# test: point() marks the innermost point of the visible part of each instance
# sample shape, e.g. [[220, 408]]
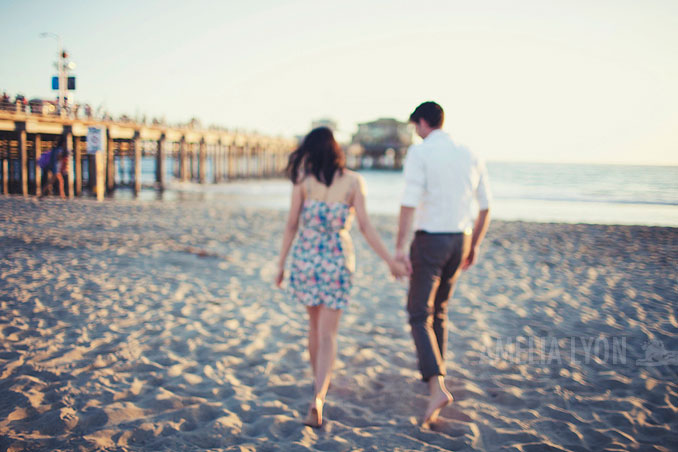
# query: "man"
[[442, 183]]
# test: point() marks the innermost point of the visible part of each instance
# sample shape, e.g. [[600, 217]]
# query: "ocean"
[[541, 192]]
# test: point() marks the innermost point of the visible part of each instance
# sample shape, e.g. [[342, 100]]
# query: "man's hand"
[[479, 230], [398, 269], [404, 226], [471, 258], [404, 258]]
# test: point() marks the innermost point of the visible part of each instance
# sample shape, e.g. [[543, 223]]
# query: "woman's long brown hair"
[[319, 155]]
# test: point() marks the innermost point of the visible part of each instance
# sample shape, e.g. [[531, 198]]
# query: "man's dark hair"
[[430, 112]]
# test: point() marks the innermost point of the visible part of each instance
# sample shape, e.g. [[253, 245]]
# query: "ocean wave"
[[599, 200]]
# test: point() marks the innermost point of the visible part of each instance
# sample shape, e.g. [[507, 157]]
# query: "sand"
[[155, 326]]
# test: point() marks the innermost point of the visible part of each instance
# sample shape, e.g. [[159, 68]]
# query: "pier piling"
[[77, 165], [68, 135], [23, 156], [202, 161], [183, 159], [110, 162], [137, 163], [160, 163], [5, 176]]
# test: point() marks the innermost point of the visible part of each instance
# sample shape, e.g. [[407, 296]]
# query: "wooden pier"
[[230, 155]]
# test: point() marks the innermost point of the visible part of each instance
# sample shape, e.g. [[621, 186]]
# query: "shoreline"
[[156, 326], [194, 197]]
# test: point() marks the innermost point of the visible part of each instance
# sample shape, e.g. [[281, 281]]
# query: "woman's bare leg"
[[313, 314], [328, 326]]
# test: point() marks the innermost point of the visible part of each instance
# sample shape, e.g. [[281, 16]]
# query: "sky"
[[546, 81]]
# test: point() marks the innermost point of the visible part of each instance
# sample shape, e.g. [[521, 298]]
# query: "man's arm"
[[479, 230], [484, 197], [415, 183], [404, 227]]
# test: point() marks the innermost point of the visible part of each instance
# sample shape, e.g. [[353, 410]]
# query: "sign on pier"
[[96, 140], [96, 147]]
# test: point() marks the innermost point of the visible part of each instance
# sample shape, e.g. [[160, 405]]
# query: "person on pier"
[[56, 168]]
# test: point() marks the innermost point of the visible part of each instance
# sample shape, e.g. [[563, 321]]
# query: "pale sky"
[[563, 81]]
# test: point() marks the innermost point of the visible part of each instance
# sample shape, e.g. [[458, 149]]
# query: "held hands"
[[404, 258], [400, 266], [398, 269]]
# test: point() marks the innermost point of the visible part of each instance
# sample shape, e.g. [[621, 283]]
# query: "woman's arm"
[[290, 230], [371, 234]]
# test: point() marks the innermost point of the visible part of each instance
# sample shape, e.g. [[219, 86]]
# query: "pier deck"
[[232, 155]]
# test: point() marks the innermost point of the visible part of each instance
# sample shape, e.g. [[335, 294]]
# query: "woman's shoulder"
[[355, 181], [353, 175]]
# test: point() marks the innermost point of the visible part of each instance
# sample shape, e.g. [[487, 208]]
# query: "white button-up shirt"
[[446, 183]]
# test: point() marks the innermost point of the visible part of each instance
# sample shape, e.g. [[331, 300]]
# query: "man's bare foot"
[[437, 401], [314, 418]]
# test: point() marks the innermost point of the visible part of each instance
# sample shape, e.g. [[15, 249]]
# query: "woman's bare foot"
[[314, 418]]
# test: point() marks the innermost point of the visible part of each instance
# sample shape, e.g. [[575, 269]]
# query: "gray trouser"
[[436, 265]]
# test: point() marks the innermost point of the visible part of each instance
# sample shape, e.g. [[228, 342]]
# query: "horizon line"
[[554, 162]]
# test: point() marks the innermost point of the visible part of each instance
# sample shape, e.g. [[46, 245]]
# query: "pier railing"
[[230, 155]]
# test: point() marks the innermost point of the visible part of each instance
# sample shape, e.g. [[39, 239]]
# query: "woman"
[[325, 196]]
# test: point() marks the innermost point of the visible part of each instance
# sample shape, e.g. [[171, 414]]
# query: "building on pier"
[[383, 142]]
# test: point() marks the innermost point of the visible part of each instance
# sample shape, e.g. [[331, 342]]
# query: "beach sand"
[[156, 326]]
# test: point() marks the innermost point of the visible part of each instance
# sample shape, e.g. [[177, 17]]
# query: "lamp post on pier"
[[60, 68]]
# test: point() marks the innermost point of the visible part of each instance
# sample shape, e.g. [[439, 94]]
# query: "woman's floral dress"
[[322, 258]]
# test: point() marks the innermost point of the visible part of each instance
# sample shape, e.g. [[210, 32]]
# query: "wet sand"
[[156, 326]]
